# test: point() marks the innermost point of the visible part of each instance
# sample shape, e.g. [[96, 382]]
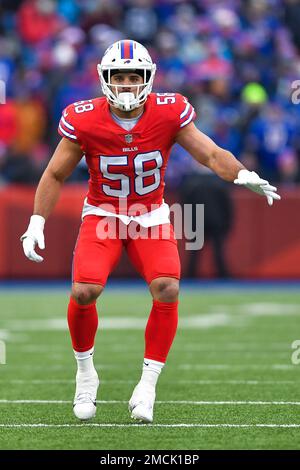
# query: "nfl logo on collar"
[[128, 138]]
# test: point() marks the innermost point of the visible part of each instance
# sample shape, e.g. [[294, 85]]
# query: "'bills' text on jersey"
[[126, 165]]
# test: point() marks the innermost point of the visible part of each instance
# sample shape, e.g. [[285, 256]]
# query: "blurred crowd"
[[236, 61]]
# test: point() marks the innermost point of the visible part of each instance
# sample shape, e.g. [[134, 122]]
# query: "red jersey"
[[126, 165]]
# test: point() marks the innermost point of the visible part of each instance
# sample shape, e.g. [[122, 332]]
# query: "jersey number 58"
[[139, 173]]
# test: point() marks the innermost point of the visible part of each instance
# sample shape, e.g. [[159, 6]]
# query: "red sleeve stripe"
[[65, 133], [190, 117]]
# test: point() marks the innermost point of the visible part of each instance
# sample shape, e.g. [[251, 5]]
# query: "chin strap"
[[125, 100]]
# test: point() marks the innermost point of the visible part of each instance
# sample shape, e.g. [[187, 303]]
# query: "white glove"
[[34, 235], [252, 181]]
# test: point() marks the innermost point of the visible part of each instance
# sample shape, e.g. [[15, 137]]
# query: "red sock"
[[160, 330], [83, 324]]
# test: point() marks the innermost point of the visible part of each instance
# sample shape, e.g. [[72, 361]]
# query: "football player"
[[126, 137]]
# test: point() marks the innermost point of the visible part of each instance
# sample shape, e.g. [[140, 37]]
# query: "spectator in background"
[[8, 123], [18, 167], [171, 70], [203, 187], [140, 21], [214, 52], [270, 134], [31, 124], [253, 99], [289, 168], [292, 19], [104, 12], [38, 20]]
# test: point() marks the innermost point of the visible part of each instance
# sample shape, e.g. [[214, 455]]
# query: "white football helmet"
[[126, 56]]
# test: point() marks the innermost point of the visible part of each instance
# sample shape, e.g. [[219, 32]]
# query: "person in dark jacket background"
[[206, 188]]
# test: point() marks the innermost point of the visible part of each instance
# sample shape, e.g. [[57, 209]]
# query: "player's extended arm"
[[222, 162], [64, 160]]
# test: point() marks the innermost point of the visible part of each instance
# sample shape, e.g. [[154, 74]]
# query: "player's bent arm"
[[205, 151], [63, 162], [222, 162]]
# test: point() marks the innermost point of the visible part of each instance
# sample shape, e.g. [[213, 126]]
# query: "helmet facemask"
[[140, 63], [128, 100]]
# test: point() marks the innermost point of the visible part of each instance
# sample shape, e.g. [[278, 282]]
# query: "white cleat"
[[84, 406], [141, 404]]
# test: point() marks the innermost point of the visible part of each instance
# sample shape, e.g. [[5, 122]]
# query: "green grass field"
[[229, 382]]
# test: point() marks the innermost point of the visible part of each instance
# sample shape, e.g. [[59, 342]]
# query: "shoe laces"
[[84, 397], [86, 389], [145, 398]]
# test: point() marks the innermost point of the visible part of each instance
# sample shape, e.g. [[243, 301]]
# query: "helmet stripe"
[[131, 49], [126, 49]]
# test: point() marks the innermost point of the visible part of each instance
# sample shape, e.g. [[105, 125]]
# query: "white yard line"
[[209, 320], [179, 425], [60, 381], [185, 366], [180, 382], [218, 315], [275, 354], [238, 366], [269, 309], [237, 382], [160, 402], [209, 347]]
